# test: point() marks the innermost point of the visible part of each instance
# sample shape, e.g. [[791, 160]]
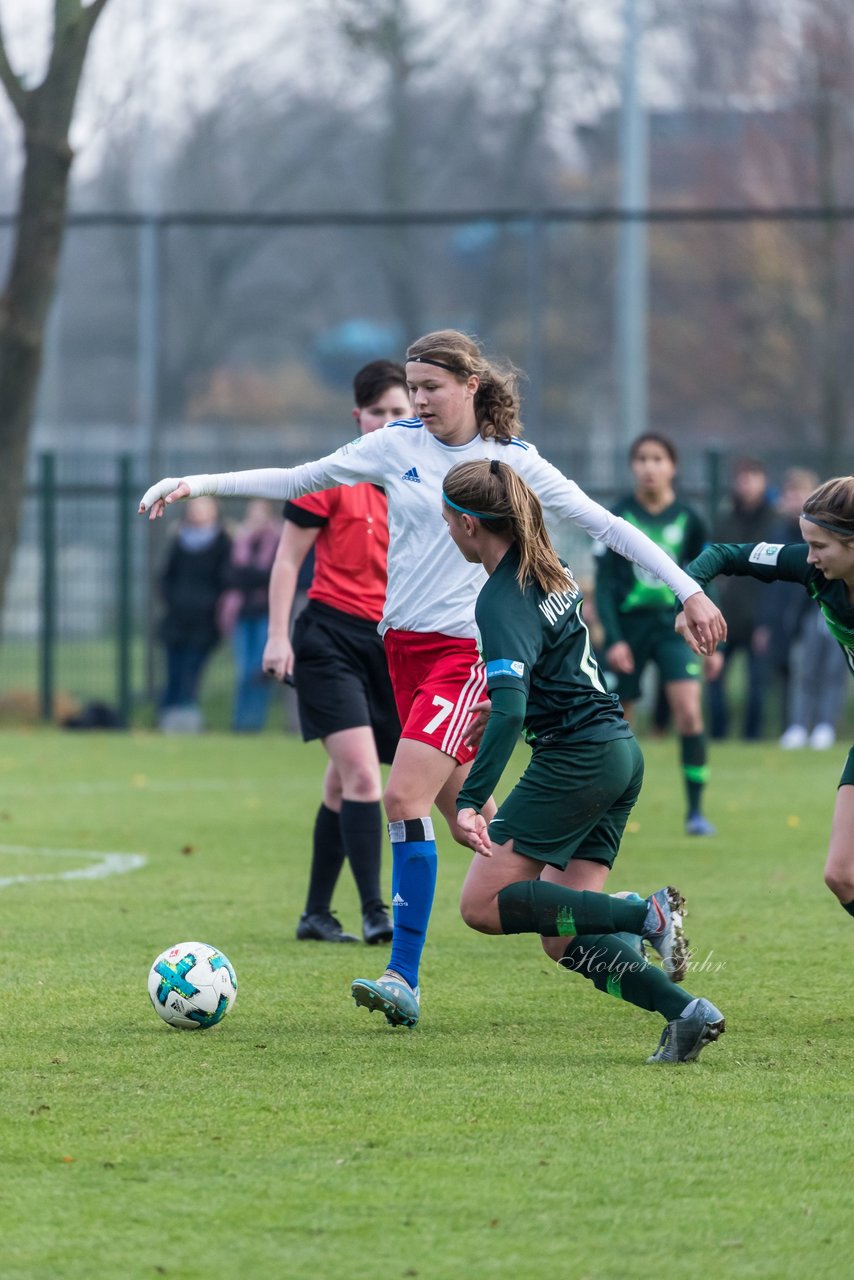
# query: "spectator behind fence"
[[636, 612], [748, 516], [191, 583], [781, 606], [244, 612]]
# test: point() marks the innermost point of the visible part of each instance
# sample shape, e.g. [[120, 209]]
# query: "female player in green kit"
[[636, 612], [824, 564], [541, 864]]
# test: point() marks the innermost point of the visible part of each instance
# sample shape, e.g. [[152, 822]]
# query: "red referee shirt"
[[350, 553]]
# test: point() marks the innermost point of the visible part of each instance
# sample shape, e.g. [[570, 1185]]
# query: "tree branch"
[[93, 10], [11, 82]]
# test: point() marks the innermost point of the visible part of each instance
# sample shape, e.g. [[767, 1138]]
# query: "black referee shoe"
[[376, 924], [321, 926]]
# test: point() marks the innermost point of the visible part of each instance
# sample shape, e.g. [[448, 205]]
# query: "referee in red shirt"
[[338, 665]]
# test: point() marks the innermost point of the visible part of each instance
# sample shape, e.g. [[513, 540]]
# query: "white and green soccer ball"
[[192, 985]]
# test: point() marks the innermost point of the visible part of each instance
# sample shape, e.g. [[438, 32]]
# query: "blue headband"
[[478, 515], [831, 528]]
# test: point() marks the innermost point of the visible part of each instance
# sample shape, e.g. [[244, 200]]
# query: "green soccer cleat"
[[392, 995], [683, 1038], [663, 928]]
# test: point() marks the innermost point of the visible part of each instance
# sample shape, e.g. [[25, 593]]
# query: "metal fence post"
[[123, 592], [47, 630]]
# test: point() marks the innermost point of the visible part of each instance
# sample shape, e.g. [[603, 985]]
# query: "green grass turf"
[[517, 1131]]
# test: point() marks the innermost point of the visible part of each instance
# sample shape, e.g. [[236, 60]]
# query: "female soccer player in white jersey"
[[467, 408]]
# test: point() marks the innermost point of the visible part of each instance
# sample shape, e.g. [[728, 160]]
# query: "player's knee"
[[840, 881], [398, 803], [479, 915], [362, 782], [688, 723]]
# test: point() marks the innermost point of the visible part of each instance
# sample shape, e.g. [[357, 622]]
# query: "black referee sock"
[[848, 906], [327, 859], [362, 838]]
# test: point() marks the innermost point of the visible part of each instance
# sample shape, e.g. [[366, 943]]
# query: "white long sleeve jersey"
[[430, 586]]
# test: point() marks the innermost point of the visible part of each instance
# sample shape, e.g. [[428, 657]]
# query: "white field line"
[[106, 864]]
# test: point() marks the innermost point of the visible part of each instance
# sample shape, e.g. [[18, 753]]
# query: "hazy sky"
[[162, 54]]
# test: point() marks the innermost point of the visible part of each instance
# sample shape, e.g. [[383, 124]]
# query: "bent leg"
[[839, 867], [502, 894]]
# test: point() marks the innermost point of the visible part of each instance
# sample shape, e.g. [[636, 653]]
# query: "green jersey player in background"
[[824, 564], [541, 863], [636, 613]]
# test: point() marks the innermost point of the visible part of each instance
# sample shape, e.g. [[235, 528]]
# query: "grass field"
[[517, 1131]]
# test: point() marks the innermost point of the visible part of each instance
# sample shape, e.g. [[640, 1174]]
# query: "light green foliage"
[[517, 1131]]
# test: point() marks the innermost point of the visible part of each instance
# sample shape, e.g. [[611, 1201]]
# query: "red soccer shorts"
[[436, 680]]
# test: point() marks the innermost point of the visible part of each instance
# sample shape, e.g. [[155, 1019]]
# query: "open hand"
[[154, 500], [473, 827]]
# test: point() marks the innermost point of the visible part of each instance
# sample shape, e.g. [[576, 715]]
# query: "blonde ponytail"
[[496, 494]]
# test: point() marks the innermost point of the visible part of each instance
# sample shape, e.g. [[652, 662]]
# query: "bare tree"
[[44, 113]]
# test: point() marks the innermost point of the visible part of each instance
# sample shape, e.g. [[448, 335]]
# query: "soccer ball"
[[192, 985]]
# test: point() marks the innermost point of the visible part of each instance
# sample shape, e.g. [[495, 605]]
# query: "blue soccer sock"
[[413, 882]]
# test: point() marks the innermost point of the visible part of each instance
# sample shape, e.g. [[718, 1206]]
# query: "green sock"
[[694, 767], [615, 967], [538, 906], [848, 906]]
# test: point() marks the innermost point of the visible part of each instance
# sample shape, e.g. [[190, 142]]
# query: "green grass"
[[516, 1132]]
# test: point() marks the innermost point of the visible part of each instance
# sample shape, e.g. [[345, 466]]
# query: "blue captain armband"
[[505, 667]]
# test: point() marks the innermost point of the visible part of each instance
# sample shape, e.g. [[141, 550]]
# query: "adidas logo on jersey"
[[397, 901], [411, 474]]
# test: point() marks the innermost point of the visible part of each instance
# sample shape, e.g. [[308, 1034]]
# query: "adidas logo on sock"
[[411, 474], [397, 901]]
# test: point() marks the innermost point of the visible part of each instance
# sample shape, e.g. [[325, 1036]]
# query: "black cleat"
[[376, 924], [321, 926]]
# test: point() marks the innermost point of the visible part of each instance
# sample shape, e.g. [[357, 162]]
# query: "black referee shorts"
[[341, 677]]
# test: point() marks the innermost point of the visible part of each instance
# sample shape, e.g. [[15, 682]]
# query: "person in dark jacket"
[[748, 517], [191, 583], [244, 612]]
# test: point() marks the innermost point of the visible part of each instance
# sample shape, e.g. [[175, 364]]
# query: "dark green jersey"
[[540, 643], [623, 587], [782, 562], [541, 674]]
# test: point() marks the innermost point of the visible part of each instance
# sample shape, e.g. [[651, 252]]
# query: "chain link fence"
[[80, 623]]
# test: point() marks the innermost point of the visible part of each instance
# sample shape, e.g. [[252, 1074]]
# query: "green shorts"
[[572, 801], [650, 636], [847, 779]]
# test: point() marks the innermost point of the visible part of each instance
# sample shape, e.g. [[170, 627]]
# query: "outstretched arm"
[[765, 561], [563, 500], [361, 459]]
